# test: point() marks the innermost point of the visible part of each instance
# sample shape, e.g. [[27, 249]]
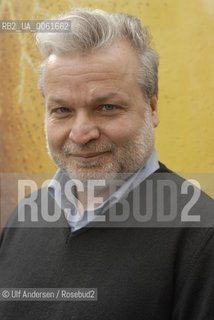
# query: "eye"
[[62, 110], [108, 107]]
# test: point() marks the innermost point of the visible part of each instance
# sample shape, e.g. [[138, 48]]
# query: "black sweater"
[[140, 273]]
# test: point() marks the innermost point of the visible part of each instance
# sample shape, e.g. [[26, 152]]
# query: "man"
[[123, 223]]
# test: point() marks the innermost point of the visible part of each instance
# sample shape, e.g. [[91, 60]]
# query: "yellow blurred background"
[[182, 34]]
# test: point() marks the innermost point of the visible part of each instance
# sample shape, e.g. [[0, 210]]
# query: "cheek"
[[56, 135], [122, 131]]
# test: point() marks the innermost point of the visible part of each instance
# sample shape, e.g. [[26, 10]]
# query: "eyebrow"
[[98, 99]]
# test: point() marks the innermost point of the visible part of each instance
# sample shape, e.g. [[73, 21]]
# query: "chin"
[[86, 174]]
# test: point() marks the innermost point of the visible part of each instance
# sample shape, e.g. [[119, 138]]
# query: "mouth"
[[87, 156]]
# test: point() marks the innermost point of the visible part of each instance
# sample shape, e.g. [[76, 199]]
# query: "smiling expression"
[[97, 120]]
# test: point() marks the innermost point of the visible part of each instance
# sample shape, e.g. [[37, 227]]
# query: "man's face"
[[97, 121]]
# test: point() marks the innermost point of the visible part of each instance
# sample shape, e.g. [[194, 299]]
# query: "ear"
[[154, 104]]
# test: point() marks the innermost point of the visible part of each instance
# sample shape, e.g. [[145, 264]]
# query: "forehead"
[[120, 57], [105, 69]]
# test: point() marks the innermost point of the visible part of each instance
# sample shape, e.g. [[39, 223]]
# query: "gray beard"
[[128, 158]]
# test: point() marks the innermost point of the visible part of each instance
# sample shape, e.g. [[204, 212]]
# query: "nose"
[[83, 129]]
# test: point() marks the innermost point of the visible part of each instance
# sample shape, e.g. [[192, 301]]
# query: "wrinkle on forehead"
[[120, 52], [99, 72]]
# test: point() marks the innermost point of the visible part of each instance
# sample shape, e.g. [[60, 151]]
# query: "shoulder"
[[187, 192], [37, 211]]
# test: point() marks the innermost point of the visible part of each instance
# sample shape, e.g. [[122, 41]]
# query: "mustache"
[[91, 147]]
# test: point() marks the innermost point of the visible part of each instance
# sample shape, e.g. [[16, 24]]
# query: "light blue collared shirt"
[[78, 220]]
